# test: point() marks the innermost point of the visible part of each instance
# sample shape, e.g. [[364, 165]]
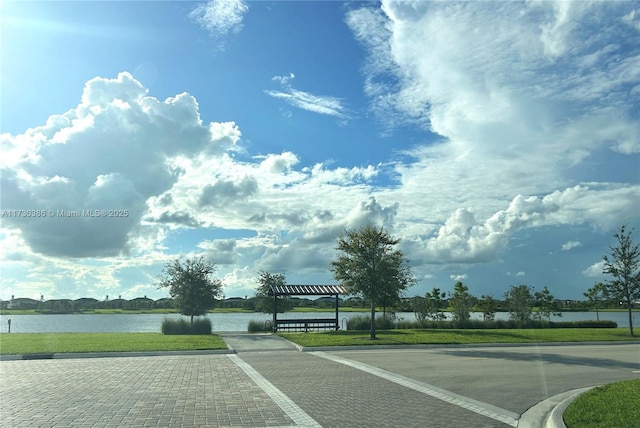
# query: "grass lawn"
[[612, 406], [459, 336], [47, 343]]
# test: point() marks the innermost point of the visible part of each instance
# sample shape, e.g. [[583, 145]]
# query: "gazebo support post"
[[275, 312], [337, 319]]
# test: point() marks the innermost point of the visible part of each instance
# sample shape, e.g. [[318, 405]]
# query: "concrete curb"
[[449, 345], [62, 356], [548, 413]]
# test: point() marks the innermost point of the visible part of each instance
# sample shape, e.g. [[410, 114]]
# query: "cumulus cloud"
[[320, 104], [110, 154], [459, 277], [570, 245], [463, 238], [220, 17], [595, 270]]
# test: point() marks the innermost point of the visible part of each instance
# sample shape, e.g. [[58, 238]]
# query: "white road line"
[[299, 416], [475, 406]]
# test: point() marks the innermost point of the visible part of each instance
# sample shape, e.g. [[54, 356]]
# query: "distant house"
[[234, 302], [23, 303], [140, 303], [86, 303]]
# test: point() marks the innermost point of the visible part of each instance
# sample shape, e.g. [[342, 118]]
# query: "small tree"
[[547, 305], [264, 303], [519, 300], [369, 266], [191, 285], [623, 264], [430, 306], [461, 302], [488, 306], [595, 295]]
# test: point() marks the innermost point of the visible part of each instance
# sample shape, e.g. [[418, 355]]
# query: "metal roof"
[[307, 290]]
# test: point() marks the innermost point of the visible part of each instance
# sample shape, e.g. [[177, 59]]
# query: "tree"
[[264, 303], [430, 306], [461, 302], [623, 264], [368, 266], [547, 305], [489, 306], [519, 300], [595, 295], [191, 285]]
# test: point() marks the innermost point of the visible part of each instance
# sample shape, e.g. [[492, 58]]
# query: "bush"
[[182, 326], [584, 324], [364, 323], [259, 327]]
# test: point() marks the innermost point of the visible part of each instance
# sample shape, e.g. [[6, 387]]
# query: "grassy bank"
[[613, 406], [456, 336], [47, 343]]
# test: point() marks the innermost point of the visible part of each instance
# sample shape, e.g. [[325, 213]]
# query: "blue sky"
[[499, 140]]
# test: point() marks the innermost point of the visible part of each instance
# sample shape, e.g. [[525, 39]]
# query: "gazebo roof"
[[306, 290]]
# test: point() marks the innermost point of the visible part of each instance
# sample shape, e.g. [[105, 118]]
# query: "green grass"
[[612, 406], [47, 343], [457, 336]]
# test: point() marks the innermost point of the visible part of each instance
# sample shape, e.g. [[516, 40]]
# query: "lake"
[[222, 322]]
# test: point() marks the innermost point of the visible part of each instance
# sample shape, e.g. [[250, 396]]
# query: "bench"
[[307, 324]]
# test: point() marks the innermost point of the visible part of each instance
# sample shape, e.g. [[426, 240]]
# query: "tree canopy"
[[519, 300], [369, 266], [191, 285], [623, 264], [264, 302]]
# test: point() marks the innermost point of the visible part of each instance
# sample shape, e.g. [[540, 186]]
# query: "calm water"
[[131, 323]]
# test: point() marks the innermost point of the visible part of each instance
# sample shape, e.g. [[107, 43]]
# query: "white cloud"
[[220, 17], [327, 105], [112, 152], [595, 270], [521, 273], [505, 87], [570, 245], [459, 277]]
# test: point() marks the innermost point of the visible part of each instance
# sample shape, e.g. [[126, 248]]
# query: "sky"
[[499, 141]]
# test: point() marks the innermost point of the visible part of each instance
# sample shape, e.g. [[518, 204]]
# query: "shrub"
[[584, 324], [182, 326], [259, 327], [364, 323]]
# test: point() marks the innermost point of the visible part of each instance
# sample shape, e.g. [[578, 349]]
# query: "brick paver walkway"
[[176, 391], [279, 386]]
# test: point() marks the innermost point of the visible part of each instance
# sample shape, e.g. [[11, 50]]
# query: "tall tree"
[[547, 305], [623, 264], [264, 303], [595, 295], [461, 302], [191, 285], [519, 300], [489, 306], [369, 266]]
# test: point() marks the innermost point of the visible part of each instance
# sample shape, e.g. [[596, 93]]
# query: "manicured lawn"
[[612, 406], [455, 336], [47, 343]]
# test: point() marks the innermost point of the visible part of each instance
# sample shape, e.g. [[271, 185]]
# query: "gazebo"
[[305, 290]]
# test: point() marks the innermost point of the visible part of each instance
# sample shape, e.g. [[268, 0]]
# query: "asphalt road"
[[512, 378]]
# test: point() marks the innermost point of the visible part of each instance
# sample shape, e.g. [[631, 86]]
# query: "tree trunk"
[[629, 305], [373, 319], [191, 319]]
